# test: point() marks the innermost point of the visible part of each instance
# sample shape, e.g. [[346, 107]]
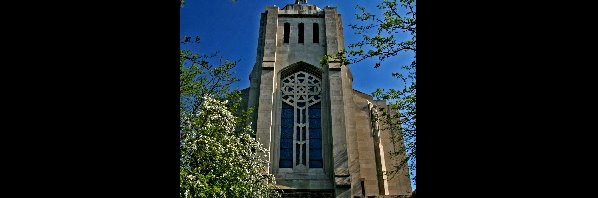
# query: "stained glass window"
[[301, 129], [286, 136], [315, 137]]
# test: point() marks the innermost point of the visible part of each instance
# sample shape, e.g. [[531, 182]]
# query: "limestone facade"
[[354, 153]]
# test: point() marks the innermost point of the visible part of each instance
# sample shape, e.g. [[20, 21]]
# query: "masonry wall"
[[352, 155], [293, 52], [375, 157], [365, 142], [400, 183]]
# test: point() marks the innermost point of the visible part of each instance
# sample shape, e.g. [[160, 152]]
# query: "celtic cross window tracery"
[[301, 139]]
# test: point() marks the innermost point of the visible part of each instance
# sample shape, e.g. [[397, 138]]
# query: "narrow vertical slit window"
[[316, 33], [287, 30], [300, 32]]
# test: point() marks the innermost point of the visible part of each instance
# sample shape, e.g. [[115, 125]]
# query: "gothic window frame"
[[302, 90]]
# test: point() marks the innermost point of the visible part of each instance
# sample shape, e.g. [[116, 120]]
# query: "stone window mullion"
[[300, 90]]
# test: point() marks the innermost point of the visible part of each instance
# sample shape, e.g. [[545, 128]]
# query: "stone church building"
[[318, 129]]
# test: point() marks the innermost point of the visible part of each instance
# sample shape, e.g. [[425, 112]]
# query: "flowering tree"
[[219, 156]]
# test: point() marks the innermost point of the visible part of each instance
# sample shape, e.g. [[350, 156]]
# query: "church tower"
[[319, 131]]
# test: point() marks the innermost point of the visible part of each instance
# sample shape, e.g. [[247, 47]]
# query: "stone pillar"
[[341, 174], [267, 84], [255, 75]]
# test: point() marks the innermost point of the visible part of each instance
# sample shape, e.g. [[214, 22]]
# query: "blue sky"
[[232, 29]]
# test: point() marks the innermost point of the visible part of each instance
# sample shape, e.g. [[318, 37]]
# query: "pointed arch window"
[[301, 131]]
